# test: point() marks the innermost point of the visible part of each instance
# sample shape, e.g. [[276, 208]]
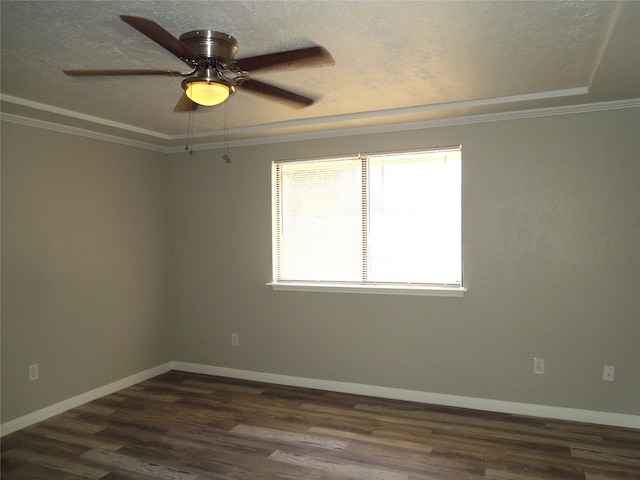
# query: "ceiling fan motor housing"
[[211, 44]]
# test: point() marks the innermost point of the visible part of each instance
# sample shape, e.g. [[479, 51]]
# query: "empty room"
[[320, 240]]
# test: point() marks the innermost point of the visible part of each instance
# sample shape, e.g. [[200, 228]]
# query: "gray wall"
[[84, 265], [552, 262]]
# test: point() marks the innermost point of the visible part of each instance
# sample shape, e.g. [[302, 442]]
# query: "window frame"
[[390, 288]]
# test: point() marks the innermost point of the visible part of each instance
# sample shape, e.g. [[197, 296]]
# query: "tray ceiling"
[[396, 62]]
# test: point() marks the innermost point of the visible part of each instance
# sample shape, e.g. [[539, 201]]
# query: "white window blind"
[[392, 219]]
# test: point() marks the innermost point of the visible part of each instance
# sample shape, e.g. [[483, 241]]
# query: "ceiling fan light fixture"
[[206, 92]]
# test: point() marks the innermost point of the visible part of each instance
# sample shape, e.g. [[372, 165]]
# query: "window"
[[389, 222]]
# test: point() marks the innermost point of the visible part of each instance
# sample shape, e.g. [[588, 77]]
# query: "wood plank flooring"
[[181, 426]]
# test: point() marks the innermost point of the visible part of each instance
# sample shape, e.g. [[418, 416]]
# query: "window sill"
[[380, 289]]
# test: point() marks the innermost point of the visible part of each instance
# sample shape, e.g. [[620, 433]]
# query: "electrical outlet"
[[34, 373], [235, 339], [538, 366], [608, 373]]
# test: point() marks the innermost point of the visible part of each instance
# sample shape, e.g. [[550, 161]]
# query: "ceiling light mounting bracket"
[[189, 74], [209, 44]]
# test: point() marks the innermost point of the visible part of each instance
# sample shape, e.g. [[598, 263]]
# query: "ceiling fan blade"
[[288, 60], [185, 104], [162, 37], [275, 93], [106, 73]]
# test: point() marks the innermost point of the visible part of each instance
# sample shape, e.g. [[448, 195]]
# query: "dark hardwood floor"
[[181, 426]]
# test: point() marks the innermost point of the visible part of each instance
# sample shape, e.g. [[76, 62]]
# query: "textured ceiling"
[[395, 62]]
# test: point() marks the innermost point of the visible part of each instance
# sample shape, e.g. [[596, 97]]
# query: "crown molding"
[[81, 132], [251, 133], [315, 123], [82, 117], [418, 125]]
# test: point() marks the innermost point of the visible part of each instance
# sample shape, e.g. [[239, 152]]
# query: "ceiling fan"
[[215, 74]]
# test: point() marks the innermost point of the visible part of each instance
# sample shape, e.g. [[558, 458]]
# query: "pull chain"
[[226, 156], [189, 145]]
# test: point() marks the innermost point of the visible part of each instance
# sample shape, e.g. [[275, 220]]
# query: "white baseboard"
[[515, 408], [499, 406], [48, 412]]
